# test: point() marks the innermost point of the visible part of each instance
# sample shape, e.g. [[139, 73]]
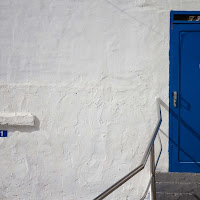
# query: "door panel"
[[189, 123], [184, 122]]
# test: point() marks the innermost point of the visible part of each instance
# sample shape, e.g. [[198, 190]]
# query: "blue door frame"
[[184, 130]]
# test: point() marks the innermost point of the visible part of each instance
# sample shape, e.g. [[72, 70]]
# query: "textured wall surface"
[[90, 72]]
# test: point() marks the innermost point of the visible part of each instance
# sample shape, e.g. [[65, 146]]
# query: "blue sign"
[[3, 133]]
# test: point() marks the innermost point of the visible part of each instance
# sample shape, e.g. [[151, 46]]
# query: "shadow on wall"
[[22, 128], [138, 20], [196, 134], [187, 106]]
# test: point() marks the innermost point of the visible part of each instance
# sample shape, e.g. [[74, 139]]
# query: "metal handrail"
[[149, 150], [151, 178]]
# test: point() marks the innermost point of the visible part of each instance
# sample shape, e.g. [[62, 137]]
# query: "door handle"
[[175, 99]]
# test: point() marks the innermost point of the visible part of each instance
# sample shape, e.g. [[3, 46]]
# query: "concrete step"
[[178, 177], [175, 196], [178, 186], [192, 188]]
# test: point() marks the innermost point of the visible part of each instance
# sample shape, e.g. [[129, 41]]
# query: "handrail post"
[[153, 184]]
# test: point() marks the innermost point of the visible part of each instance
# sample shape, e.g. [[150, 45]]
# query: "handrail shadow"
[[195, 133]]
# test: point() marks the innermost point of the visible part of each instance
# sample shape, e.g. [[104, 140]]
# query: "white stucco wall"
[[89, 71]]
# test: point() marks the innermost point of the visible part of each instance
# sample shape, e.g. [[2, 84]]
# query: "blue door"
[[184, 100]]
